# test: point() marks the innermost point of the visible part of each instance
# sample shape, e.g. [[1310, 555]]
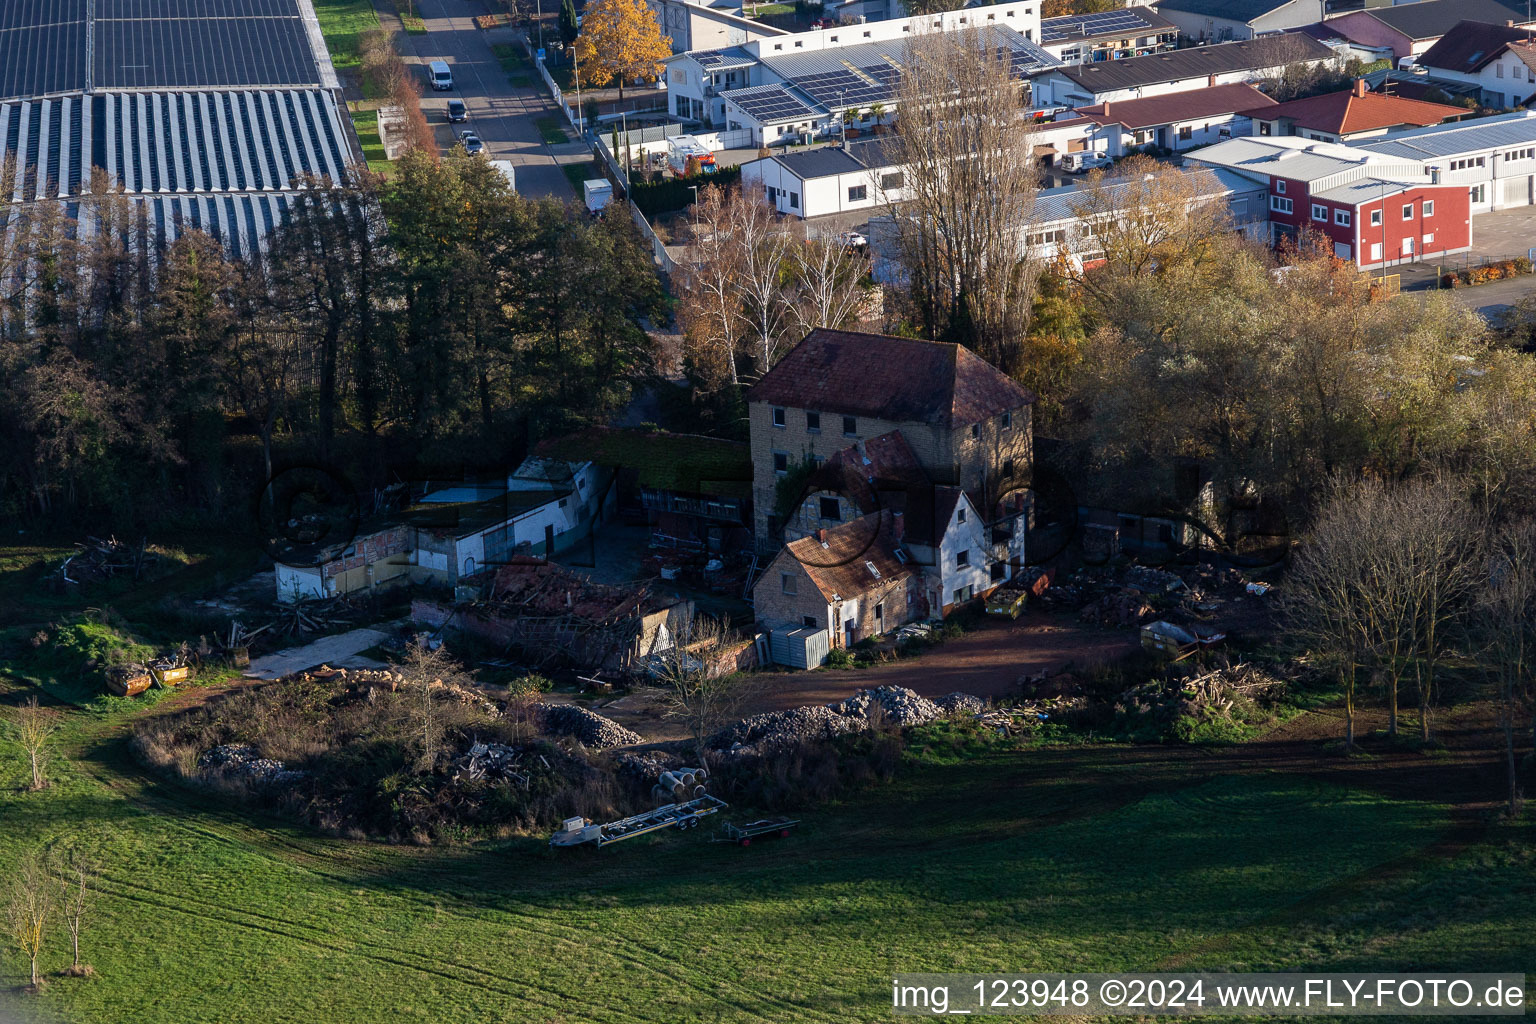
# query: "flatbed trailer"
[[742, 835], [685, 815]]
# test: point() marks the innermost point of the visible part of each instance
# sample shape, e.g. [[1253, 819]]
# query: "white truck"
[[681, 147], [507, 171]]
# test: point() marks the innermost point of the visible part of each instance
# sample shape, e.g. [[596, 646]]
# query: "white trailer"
[[598, 193], [508, 171]]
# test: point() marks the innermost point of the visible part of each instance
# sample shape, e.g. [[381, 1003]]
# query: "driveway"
[[339, 651], [501, 114]]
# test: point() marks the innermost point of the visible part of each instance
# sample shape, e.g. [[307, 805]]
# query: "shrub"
[[839, 657], [672, 194]]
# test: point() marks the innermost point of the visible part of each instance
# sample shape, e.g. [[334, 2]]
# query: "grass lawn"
[[367, 124], [514, 61], [552, 130], [766, 10], [578, 173], [343, 22], [1003, 860]]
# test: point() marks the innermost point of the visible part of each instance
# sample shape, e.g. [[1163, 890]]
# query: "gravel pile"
[[241, 762], [958, 703], [591, 729], [900, 705], [814, 722], [642, 766]]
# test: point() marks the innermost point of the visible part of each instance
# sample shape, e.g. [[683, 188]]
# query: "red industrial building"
[[1377, 211]]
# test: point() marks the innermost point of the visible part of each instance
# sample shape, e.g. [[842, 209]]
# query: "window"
[[1341, 218], [1429, 240], [563, 502], [809, 621], [1280, 204], [890, 181], [1046, 237], [960, 514], [1264, 128], [1185, 133], [1498, 71], [1320, 212], [975, 431], [999, 570], [962, 559], [794, 200], [830, 509], [1007, 469], [858, 193], [1375, 218], [1477, 193], [781, 462], [1407, 211], [778, 416], [1280, 187], [1407, 247], [1461, 165], [960, 595], [1429, 207], [1375, 252], [788, 583], [1521, 154], [850, 426], [1007, 421], [813, 422]]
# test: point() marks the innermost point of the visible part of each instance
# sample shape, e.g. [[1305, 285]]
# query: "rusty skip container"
[[168, 677], [128, 682]]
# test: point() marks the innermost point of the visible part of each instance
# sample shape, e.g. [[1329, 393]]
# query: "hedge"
[[669, 194]]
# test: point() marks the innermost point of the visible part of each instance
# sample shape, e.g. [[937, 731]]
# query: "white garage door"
[[1516, 192]]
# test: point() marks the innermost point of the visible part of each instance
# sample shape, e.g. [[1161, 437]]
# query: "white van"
[[440, 76]]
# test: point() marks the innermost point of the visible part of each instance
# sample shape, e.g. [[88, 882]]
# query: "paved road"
[[339, 651], [502, 115]]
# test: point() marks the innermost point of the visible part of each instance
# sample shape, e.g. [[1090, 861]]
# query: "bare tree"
[[426, 669], [708, 301], [29, 905], [1507, 624], [33, 726], [968, 194], [702, 696], [761, 250], [1327, 596], [73, 873], [831, 285]]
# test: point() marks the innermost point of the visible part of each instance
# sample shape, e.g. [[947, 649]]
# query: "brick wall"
[[775, 609], [370, 549]]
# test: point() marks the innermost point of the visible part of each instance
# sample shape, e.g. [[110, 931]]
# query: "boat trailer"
[[685, 815]]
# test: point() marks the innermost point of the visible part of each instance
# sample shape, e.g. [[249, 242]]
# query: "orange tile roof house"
[[1355, 113]]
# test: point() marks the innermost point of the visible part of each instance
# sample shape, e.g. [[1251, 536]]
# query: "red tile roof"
[[896, 379], [1188, 105], [852, 559], [1344, 113]]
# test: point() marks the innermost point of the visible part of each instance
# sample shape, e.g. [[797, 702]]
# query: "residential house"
[[1377, 211], [1250, 60], [1107, 35], [1219, 21], [853, 580], [1493, 159], [1355, 113], [1412, 28], [1177, 120], [782, 88], [826, 180], [694, 492], [1499, 59], [967, 423]]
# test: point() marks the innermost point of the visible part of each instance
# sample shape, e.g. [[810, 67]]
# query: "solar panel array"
[[151, 44], [768, 104], [1076, 26], [851, 87]]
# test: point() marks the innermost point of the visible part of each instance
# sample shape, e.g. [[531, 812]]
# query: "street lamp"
[[695, 190], [842, 120], [581, 117]]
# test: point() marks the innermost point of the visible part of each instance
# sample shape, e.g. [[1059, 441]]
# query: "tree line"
[[436, 312]]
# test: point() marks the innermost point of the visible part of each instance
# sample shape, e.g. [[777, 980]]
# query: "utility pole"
[[842, 120], [581, 117]]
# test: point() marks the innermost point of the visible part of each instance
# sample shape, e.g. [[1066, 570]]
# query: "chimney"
[[1434, 175], [821, 535], [1210, 81], [1359, 87], [1106, 108]]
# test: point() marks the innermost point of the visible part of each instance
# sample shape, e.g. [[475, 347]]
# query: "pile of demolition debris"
[[643, 766], [96, 560], [589, 728], [1135, 594], [236, 761], [1211, 694], [960, 703], [363, 683], [492, 761], [894, 704]]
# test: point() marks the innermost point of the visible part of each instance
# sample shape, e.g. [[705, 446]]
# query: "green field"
[[367, 124], [343, 22], [552, 130], [1053, 858]]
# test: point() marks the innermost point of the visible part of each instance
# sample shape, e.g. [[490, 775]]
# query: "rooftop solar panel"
[[1081, 25], [769, 104], [182, 52], [111, 10], [32, 13]]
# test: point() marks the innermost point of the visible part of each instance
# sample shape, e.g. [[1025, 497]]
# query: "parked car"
[[853, 240], [471, 143], [457, 111], [1078, 163]]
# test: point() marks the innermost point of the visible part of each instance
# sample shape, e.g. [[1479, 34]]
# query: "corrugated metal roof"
[[722, 60], [1117, 24], [1221, 58], [1454, 139], [1295, 158], [1057, 204], [1364, 190], [1231, 10]]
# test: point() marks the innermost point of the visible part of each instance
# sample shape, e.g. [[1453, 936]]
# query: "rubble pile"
[[646, 766], [1026, 715], [1213, 693], [775, 728], [490, 761], [1127, 608], [900, 705], [232, 760], [361, 682], [960, 703], [591, 729]]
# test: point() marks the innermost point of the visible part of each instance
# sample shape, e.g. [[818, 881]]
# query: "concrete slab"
[[339, 651]]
